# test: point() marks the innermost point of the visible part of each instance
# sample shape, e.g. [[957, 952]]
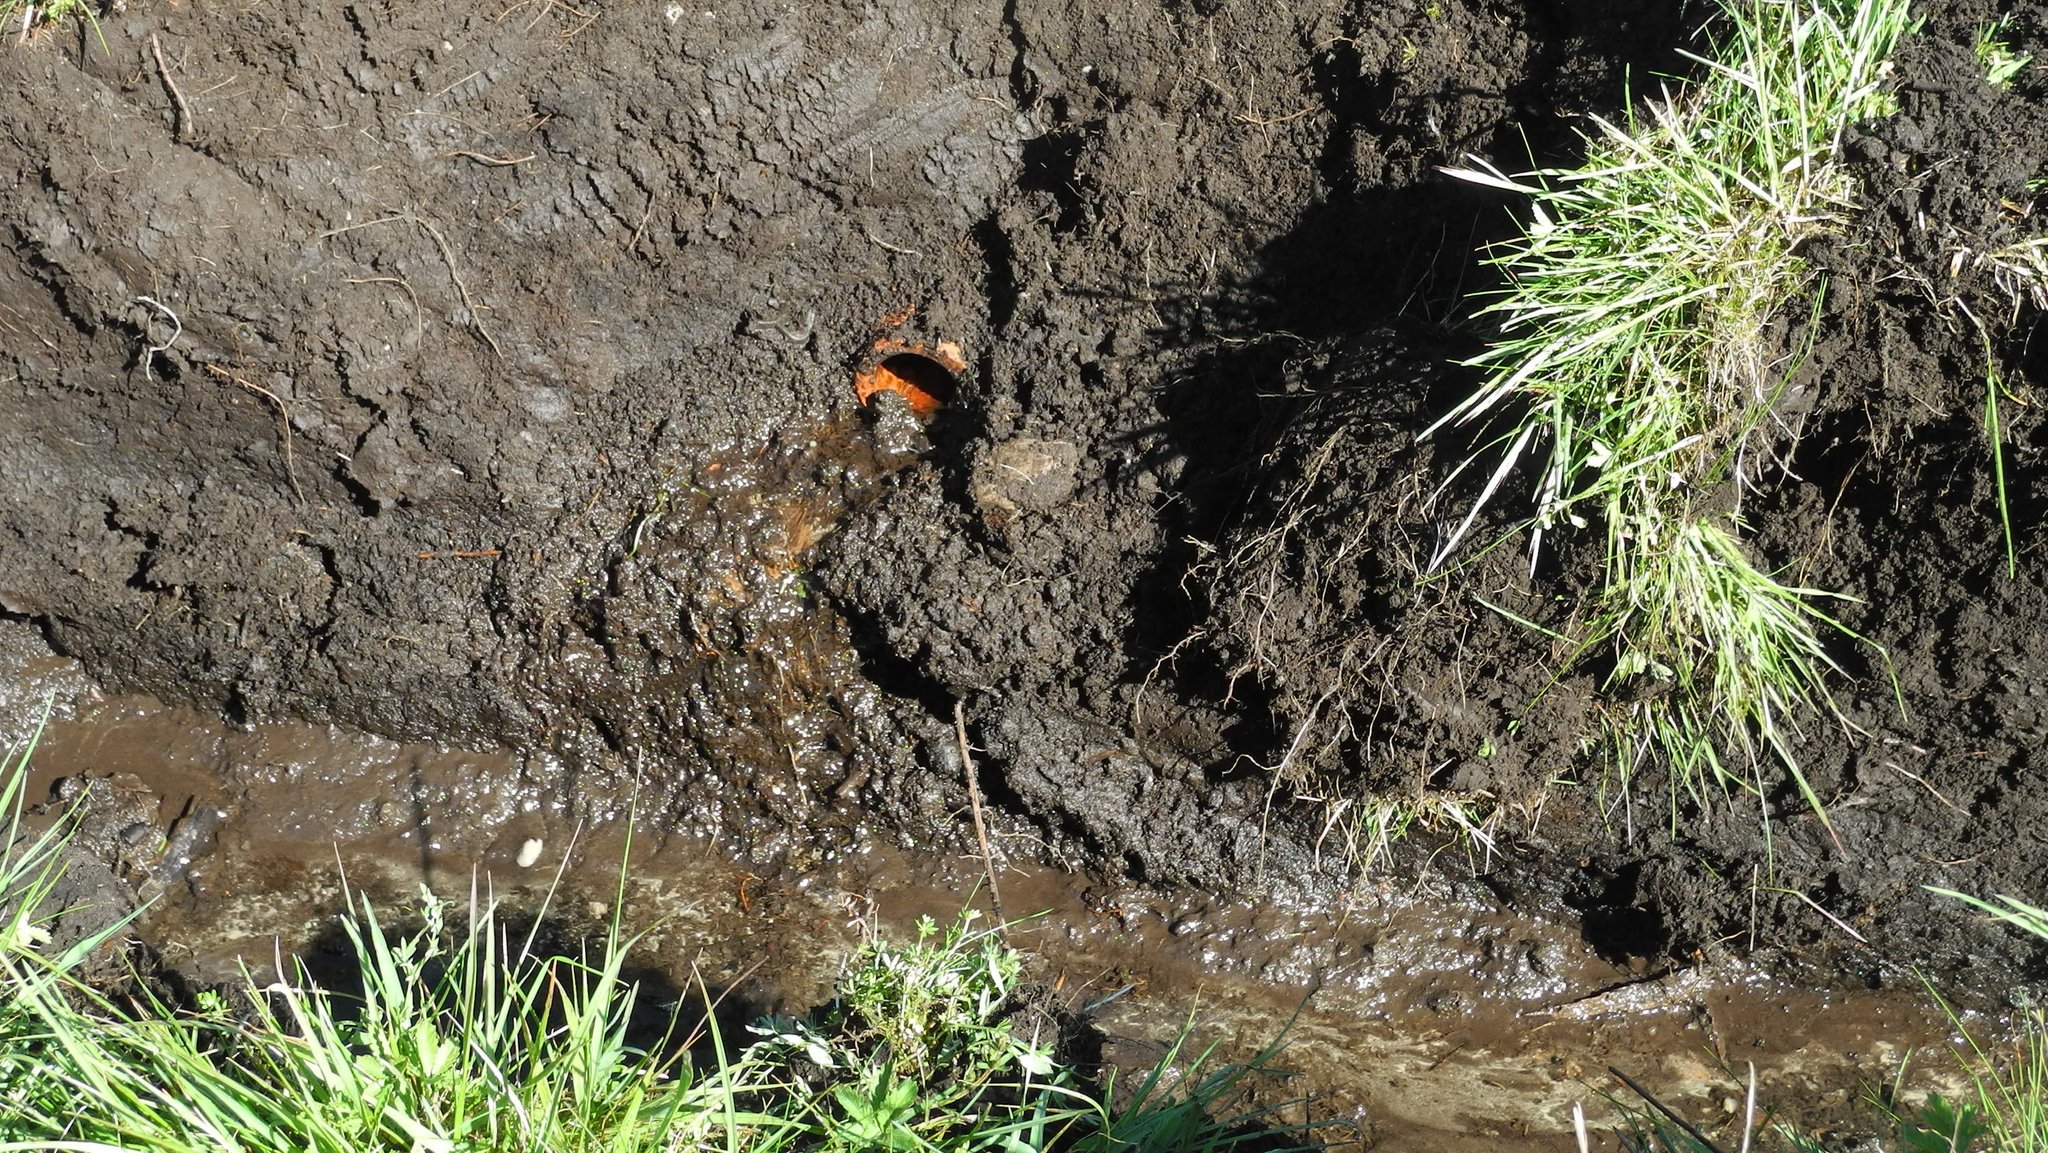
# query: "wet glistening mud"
[[1433, 1015]]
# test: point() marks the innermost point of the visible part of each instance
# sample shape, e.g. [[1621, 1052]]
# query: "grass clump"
[[1938, 1126], [1995, 55], [921, 1050], [2019, 270], [468, 1036], [1639, 361], [461, 1038]]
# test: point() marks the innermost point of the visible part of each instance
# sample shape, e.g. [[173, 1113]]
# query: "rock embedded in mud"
[[194, 835], [113, 818], [1024, 474]]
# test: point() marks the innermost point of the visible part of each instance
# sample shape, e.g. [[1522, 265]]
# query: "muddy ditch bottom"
[[1430, 1016]]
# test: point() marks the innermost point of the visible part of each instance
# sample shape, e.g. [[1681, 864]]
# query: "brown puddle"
[[1432, 1017]]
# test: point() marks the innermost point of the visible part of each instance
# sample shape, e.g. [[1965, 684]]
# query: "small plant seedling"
[[1941, 1127], [2020, 270], [1994, 433], [876, 1116]]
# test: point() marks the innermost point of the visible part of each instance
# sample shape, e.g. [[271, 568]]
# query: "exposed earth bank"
[[487, 378]]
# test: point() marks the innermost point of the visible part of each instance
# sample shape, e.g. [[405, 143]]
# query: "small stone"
[[1024, 474]]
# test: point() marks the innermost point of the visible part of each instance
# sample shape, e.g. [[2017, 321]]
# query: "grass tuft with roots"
[[1639, 362]]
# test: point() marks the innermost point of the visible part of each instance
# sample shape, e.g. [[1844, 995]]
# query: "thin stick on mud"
[[988, 859], [895, 248], [419, 335], [1818, 908], [492, 161], [182, 126], [1749, 1110], [1661, 1107], [284, 423], [333, 232], [476, 319], [640, 229]]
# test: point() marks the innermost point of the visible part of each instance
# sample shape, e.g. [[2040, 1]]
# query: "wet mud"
[[439, 431], [1424, 1016]]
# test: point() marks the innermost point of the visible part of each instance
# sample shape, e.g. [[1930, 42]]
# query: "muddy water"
[[1429, 1015]]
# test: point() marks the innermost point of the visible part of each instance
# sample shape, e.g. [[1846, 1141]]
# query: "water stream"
[[1431, 1015]]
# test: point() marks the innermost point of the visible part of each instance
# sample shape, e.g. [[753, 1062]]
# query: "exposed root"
[[284, 423]]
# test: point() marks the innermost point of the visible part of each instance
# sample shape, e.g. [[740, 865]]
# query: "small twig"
[[1749, 1110], [182, 126], [988, 859], [640, 229], [151, 348], [1660, 1107], [1922, 782], [493, 161], [896, 248], [418, 335], [476, 319], [1816, 907], [458, 554], [1603, 995], [1269, 121], [457, 84], [549, 6], [284, 423], [334, 232], [1446, 1055]]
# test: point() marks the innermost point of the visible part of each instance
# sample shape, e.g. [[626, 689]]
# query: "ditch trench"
[[437, 439], [1421, 1016]]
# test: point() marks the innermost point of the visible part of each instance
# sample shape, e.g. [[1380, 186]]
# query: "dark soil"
[[486, 378]]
